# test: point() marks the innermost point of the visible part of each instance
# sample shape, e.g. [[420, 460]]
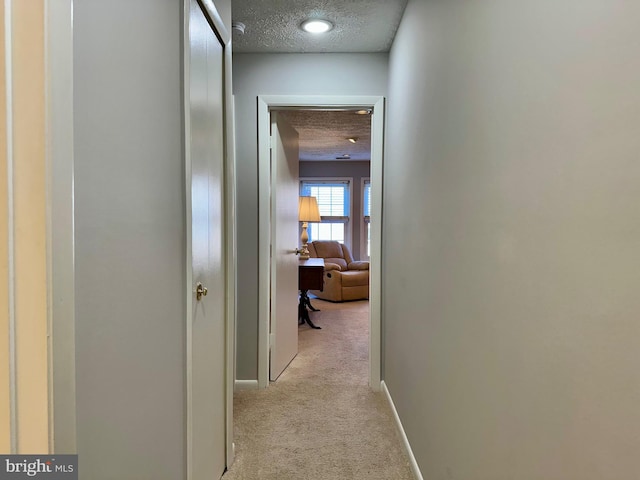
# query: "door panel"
[[284, 240], [206, 402]]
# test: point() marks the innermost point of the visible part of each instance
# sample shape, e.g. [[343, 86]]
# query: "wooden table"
[[310, 277]]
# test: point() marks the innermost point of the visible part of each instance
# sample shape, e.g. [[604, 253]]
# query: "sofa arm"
[[358, 266], [328, 266]]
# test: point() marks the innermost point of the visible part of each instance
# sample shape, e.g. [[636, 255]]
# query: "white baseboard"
[[405, 441], [245, 385]]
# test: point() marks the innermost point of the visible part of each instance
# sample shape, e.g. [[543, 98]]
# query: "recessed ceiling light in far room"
[[315, 25], [353, 139], [363, 112]]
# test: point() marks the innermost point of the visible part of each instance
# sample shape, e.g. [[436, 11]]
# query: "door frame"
[[229, 209], [57, 30], [58, 33], [267, 103]]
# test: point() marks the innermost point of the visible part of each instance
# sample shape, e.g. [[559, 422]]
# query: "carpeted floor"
[[320, 420]]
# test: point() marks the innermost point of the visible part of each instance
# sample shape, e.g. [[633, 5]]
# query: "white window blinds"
[[334, 204], [332, 197]]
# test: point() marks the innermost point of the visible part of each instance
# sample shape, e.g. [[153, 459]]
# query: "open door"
[[284, 241]]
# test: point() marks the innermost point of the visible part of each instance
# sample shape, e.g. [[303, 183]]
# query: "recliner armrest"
[[358, 266], [328, 266]]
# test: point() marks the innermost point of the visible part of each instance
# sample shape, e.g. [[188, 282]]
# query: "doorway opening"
[[373, 107], [335, 169]]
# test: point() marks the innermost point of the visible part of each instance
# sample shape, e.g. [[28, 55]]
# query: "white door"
[[206, 334], [284, 242]]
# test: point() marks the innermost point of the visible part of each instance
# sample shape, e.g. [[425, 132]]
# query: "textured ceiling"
[[274, 25], [323, 134]]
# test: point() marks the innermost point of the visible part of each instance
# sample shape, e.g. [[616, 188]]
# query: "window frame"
[[348, 229], [366, 220]]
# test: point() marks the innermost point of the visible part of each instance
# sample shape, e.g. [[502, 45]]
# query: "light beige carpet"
[[320, 420]]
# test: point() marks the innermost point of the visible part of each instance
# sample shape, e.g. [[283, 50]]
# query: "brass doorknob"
[[200, 291]]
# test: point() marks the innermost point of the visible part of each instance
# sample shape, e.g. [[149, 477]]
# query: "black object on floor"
[[303, 313]]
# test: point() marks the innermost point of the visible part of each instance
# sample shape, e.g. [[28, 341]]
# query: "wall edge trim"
[[405, 441], [13, 375], [246, 385]]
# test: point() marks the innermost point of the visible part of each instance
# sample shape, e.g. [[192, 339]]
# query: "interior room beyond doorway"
[[373, 106]]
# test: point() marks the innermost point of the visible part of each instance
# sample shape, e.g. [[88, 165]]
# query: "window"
[[333, 196], [366, 214]]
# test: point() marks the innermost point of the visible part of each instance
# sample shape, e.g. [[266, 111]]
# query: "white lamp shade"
[[308, 210]]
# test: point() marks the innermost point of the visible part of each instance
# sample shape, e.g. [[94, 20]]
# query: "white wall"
[[279, 74], [512, 332], [130, 238]]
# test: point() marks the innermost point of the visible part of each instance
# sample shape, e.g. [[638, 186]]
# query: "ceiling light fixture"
[[363, 112], [353, 139], [315, 25]]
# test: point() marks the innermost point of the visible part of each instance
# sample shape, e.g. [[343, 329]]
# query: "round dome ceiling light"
[[316, 25]]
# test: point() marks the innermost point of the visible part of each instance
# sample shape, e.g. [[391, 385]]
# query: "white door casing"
[[266, 104], [206, 332], [59, 95], [284, 241]]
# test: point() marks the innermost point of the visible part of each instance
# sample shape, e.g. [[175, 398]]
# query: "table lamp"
[[308, 211]]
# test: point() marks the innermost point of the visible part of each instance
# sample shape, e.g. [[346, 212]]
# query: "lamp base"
[[304, 252]]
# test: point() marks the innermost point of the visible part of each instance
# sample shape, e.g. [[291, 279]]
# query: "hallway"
[[320, 420]]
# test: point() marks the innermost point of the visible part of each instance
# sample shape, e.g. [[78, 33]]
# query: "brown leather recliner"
[[344, 279]]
